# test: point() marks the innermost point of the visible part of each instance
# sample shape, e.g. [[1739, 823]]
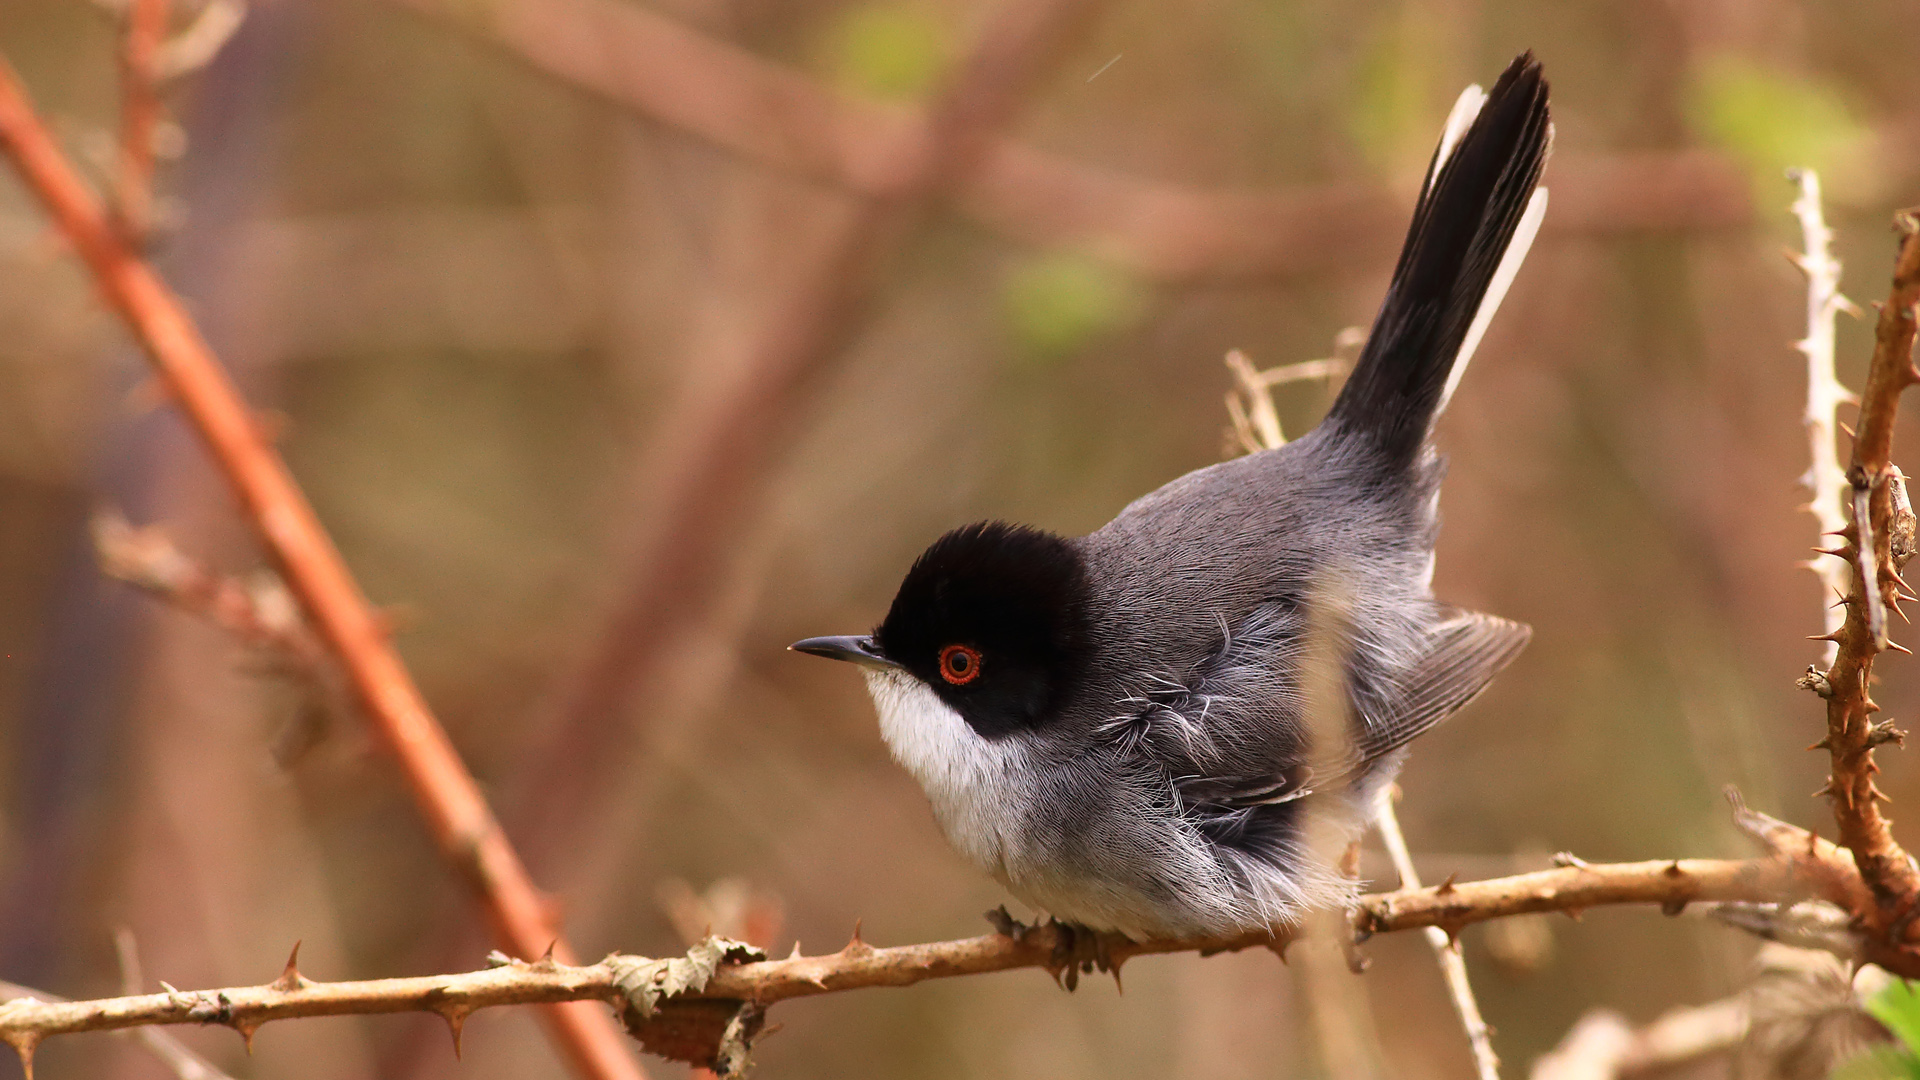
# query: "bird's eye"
[[959, 664]]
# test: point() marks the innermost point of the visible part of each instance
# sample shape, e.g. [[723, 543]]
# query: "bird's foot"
[[1072, 949]]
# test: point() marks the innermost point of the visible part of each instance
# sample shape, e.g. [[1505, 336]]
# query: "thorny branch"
[[1824, 479], [178, 1057], [456, 812], [1877, 542], [729, 986]]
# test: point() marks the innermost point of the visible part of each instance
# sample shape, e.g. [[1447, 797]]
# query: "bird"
[[1123, 728]]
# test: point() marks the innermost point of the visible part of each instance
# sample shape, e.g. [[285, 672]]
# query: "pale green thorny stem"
[[1824, 477]]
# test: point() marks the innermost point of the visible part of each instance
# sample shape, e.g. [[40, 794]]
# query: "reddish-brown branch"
[[1888, 529], [139, 117], [645, 61], [456, 813]]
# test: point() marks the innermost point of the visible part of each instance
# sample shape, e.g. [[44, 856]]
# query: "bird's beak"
[[858, 650]]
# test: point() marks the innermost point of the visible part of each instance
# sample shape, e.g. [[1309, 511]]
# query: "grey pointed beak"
[[857, 650]]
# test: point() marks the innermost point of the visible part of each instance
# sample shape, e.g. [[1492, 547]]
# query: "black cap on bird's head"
[[992, 617]]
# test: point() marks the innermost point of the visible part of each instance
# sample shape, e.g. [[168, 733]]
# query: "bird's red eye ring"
[[959, 664]]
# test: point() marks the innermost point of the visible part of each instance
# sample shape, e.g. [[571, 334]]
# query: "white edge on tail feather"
[[1465, 109], [1503, 276]]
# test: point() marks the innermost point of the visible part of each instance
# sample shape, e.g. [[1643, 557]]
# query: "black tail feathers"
[[1462, 226]]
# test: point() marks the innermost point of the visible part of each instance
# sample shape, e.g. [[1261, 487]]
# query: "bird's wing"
[[1237, 739], [1465, 650]]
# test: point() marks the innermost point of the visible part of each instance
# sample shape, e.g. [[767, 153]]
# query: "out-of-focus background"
[[505, 325]]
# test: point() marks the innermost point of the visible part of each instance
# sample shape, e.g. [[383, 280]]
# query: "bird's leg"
[[1076, 949], [1081, 949]]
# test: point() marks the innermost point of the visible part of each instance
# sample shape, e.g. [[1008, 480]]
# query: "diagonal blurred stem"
[[726, 447], [1446, 947], [456, 813]]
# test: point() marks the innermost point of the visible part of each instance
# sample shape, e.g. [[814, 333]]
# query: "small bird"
[[1121, 727]]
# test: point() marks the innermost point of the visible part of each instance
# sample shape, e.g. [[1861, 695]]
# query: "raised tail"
[[1475, 220]]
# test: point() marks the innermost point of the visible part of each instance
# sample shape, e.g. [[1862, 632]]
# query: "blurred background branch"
[[140, 116], [446, 793], [649, 62]]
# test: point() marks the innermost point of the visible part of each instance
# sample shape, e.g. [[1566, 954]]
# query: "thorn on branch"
[[23, 1045], [290, 978], [855, 946], [456, 1018]]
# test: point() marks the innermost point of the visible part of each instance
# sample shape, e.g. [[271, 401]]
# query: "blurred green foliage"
[[1773, 120], [1898, 1008], [1392, 111], [1055, 303], [891, 51]]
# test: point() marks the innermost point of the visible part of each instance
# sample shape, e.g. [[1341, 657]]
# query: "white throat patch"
[[972, 782]]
